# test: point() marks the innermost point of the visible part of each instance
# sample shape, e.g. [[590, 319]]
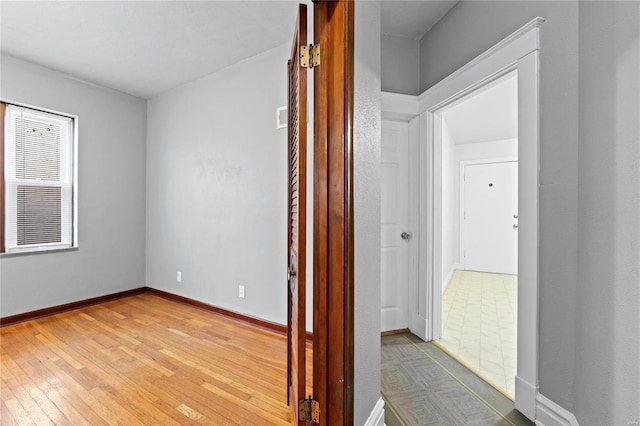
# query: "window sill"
[[41, 250]]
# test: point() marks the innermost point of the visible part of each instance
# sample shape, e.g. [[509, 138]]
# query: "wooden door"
[[394, 227], [333, 226], [491, 217], [333, 291], [297, 153]]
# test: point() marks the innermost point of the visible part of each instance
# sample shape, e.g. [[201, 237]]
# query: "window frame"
[[5, 106]]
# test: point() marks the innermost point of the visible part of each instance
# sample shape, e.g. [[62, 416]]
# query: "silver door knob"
[[405, 236]]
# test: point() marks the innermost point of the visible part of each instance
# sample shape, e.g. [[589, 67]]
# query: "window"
[[38, 187]]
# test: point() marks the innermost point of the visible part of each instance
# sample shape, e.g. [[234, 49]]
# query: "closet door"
[[296, 294]]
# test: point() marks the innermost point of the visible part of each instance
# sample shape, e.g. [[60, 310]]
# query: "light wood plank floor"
[[142, 360]]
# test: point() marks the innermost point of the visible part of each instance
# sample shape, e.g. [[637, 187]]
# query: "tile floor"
[[422, 385], [479, 316]]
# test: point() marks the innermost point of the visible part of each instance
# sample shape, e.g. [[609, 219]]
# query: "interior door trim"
[[333, 227]]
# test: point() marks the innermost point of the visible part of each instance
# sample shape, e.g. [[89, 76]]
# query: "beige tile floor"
[[479, 316]]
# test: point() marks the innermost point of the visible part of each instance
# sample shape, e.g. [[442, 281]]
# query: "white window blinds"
[[38, 180]]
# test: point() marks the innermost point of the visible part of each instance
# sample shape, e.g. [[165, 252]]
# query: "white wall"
[[507, 148], [400, 65], [111, 194], [217, 188], [450, 207], [367, 130]]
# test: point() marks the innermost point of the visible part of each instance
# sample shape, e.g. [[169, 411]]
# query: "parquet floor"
[[142, 360], [422, 385]]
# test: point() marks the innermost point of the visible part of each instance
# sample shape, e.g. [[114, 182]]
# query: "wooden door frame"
[[333, 225]]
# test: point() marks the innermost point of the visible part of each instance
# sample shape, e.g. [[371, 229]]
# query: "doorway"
[[518, 52], [479, 245], [394, 226]]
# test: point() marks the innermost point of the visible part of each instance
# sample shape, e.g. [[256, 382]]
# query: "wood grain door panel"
[[297, 153]]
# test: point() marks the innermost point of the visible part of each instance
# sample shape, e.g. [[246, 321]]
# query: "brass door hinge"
[[310, 56], [309, 410]]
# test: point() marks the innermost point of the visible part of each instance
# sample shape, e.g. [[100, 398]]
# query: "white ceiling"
[[412, 19], [490, 114], [147, 47], [143, 47]]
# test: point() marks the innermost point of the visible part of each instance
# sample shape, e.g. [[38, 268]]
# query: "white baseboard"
[[526, 398], [376, 418], [445, 282], [548, 413]]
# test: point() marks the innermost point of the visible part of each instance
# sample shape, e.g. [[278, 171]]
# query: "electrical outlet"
[[241, 291], [179, 277]]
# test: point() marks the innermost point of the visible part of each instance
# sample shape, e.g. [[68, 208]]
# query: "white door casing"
[[519, 52], [490, 216], [394, 217]]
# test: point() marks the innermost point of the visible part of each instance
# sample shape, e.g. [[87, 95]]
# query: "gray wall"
[[216, 193], [217, 188], [400, 65], [465, 32], [367, 130], [607, 363], [111, 174], [588, 303]]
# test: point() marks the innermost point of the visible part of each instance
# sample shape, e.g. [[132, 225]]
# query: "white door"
[[394, 218], [491, 217]]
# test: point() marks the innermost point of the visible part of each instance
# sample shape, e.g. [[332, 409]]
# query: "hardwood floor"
[[142, 360]]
